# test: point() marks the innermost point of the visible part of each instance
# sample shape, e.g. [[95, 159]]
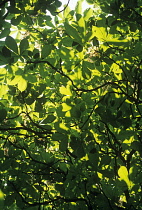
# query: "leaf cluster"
[[70, 105]]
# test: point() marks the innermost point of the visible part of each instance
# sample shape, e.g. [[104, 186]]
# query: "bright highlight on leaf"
[[70, 104], [65, 107], [22, 83], [123, 173], [3, 90], [1, 195], [65, 91]]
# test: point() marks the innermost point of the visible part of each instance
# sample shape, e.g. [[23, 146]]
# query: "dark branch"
[[64, 8]]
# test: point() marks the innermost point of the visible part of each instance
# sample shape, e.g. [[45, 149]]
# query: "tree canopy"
[[70, 105]]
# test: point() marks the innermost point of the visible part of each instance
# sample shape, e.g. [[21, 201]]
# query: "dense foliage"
[[71, 105]]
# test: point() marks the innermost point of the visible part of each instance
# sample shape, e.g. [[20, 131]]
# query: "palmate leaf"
[[99, 32], [104, 36]]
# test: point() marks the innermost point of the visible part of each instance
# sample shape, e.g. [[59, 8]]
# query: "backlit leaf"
[[22, 84]]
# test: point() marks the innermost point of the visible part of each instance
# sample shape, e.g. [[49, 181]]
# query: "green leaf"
[[60, 188], [9, 200], [65, 90], [16, 20], [88, 13], [123, 174], [3, 90], [67, 41], [71, 31], [3, 114], [11, 44], [1, 198], [24, 44], [47, 157], [6, 52], [75, 112], [46, 50], [86, 73], [75, 143], [99, 32], [59, 136], [137, 146], [22, 84], [78, 8], [4, 33], [90, 1], [63, 145], [49, 119], [105, 160], [80, 152]]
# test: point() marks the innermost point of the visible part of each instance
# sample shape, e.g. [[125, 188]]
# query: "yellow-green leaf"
[[65, 107], [65, 90], [22, 84], [123, 174], [2, 71], [99, 32], [3, 90], [88, 13], [15, 81]]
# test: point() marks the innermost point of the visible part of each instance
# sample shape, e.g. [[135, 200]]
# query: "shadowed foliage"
[[70, 105]]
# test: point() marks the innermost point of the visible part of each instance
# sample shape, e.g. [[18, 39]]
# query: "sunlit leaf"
[[88, 13], [65, 107], [123, 174], [22, 84], [65, 91]]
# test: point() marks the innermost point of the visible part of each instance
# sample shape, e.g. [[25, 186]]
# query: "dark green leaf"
[[16, 20], [46, 50], [3, 114], [63, 145], [24, 44], [71, 31], [11, 44], [49, 119]]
